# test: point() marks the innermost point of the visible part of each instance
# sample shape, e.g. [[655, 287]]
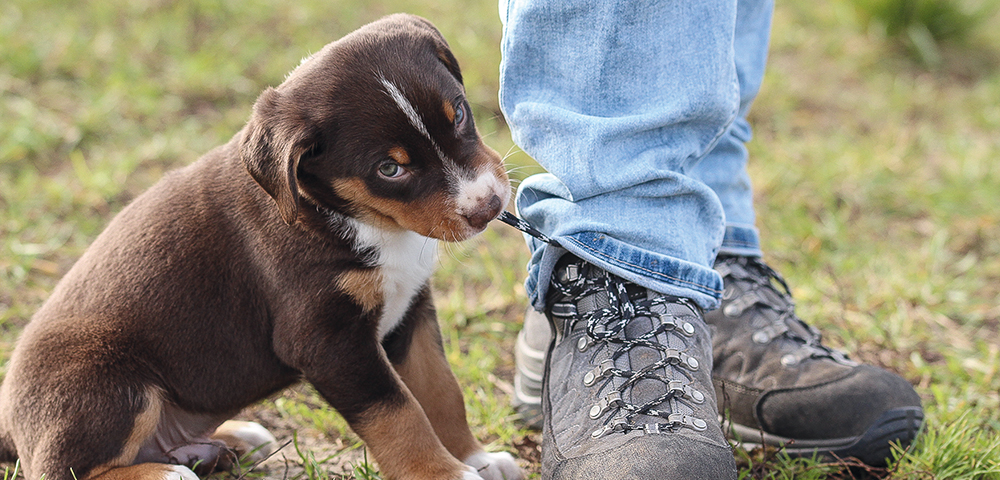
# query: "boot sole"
[[898, 426]]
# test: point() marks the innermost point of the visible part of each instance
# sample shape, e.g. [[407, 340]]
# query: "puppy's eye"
[[460, 115], [391, 170]]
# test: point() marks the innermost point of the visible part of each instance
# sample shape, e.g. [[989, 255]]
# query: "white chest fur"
[[406, 260]]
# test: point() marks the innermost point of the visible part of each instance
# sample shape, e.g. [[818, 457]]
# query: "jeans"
[[637, 109]]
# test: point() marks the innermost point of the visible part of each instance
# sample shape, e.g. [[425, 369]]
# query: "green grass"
[[923, 27], [877, 187]]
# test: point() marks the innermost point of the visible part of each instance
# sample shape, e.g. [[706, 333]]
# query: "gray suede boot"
[[778, 384], [627, 392]]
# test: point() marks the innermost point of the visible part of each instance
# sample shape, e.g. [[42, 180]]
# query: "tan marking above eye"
[[399, 155], [449, 111]]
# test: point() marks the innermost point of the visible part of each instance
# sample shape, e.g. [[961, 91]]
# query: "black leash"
[[516, 222]]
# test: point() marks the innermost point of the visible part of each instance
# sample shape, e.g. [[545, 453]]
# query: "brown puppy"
[[299, 250]]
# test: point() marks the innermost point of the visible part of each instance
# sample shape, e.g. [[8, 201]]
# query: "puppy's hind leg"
[[96, 434]]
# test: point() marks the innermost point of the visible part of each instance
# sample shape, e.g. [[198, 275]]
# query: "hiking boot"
[[777, 384], [627, 392]]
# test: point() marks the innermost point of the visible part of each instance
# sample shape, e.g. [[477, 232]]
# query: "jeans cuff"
[[742, 240], [659, 273]]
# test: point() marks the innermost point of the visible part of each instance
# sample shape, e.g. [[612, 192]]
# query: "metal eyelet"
[[598, 372], [688, 329], [678, 387], [677, 357], [618, 424], [613, 399], [681, 420], [789, 360]]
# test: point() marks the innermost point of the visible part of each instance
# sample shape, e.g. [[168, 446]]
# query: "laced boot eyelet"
[[789, 360], [599, 372], [618, 424], [613, 399], [680, 420], [679, 388], [673, 356]]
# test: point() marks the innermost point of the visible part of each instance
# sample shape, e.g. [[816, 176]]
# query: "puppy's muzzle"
[[488, 211]]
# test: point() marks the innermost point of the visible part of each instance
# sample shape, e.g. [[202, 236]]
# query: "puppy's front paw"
[[471, 474], [178, 472], [495, 466]]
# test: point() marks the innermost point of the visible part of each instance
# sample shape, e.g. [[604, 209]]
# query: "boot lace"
[[606, 325], [760, 284]]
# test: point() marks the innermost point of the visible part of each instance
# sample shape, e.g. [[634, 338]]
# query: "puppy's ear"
[[441, 47], [273, 141], [445, 56]]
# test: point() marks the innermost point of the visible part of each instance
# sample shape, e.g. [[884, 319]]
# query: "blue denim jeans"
[[637, 111]]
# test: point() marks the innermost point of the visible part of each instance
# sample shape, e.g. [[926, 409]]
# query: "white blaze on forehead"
[[474, 189], [406, 107], [411, 114]]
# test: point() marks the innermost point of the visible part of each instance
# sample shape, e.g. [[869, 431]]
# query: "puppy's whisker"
[[428, 239], [520, 168], [511, 151]]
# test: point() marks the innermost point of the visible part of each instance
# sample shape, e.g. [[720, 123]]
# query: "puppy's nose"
[[485, 213]]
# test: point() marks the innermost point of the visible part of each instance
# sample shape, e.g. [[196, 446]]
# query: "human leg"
[[775, 380], [618, 101], [749, 372]]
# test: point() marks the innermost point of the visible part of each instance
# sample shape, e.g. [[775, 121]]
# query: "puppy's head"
[[376, 126]]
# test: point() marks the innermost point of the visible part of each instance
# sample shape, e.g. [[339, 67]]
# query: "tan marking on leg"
[[404, 444], [144, 427], [427, 374], [364, 286]]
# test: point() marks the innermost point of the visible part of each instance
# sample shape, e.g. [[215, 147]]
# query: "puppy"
[[299, 250]]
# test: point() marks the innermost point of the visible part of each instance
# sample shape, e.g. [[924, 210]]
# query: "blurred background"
[[875, 164]]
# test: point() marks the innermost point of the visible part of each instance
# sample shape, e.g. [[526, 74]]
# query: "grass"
[[922, 27], [876, 178]]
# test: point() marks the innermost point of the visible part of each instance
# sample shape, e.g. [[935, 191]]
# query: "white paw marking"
[[495, 466], [257, 438], [470, 474], [175, 472]]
